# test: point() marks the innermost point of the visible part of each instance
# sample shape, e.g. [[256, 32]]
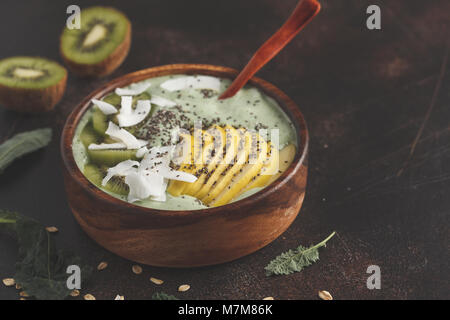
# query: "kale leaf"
[[22, 144], [163, 296], [41, 268]]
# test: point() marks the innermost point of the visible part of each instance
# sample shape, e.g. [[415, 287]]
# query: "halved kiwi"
[[100, 46], [31, 84], [96, 174]]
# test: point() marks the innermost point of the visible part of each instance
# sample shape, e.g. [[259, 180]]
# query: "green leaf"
[[41, 269], [7, 217], [163, 296], [296, 260], [22, 144], [8, 221]]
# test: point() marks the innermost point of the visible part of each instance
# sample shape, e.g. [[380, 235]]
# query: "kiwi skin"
[[25, 100], [105, 67]]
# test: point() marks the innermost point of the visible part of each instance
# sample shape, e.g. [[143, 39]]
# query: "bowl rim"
[[288, 106]]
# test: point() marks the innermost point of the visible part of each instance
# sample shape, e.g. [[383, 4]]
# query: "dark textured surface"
[[364, 94]]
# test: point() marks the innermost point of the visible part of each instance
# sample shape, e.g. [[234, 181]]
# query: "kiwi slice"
[[101, 44], [116, 100], [108, 158], [134, 130], [113, 99], [31, 84], [96, 174], [111, 157], [88, 136], [100, 121]]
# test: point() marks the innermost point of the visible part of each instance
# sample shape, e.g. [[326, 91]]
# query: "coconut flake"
[[105, 107], [162, 102], [146, 181], [136, 116], [156, 157], [172, 174], [192, 82], [150, 177], [175, 84], [121, 169], [123, 136], [163, 196], [133, 90], [143, 186], [126, 105], [139, 188], [142, 152], [107, 146], [158, 161]]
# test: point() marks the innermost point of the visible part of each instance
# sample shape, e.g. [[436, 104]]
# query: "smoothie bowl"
[[160, 171]]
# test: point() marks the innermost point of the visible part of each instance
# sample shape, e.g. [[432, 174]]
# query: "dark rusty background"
[[364, 94]]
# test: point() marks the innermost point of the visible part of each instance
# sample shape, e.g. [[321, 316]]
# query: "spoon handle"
[[303, 13]]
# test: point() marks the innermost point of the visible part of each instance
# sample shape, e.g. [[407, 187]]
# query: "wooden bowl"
[[186, 238]]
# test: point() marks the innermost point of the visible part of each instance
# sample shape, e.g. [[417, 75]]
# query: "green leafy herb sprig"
[[296, 260], [40, 269], [163, 296], [23, 143]]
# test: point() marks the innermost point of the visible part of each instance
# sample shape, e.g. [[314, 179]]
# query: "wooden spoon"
[[303, 13]]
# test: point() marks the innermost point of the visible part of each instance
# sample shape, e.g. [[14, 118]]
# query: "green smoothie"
[[249, 108]]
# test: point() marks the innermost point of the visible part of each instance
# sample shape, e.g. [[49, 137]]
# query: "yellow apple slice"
[[212, 155], [199, 140], [244, 144], [202, 145], [245, 174], [232, 140], [267, 171], [287, 155]]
